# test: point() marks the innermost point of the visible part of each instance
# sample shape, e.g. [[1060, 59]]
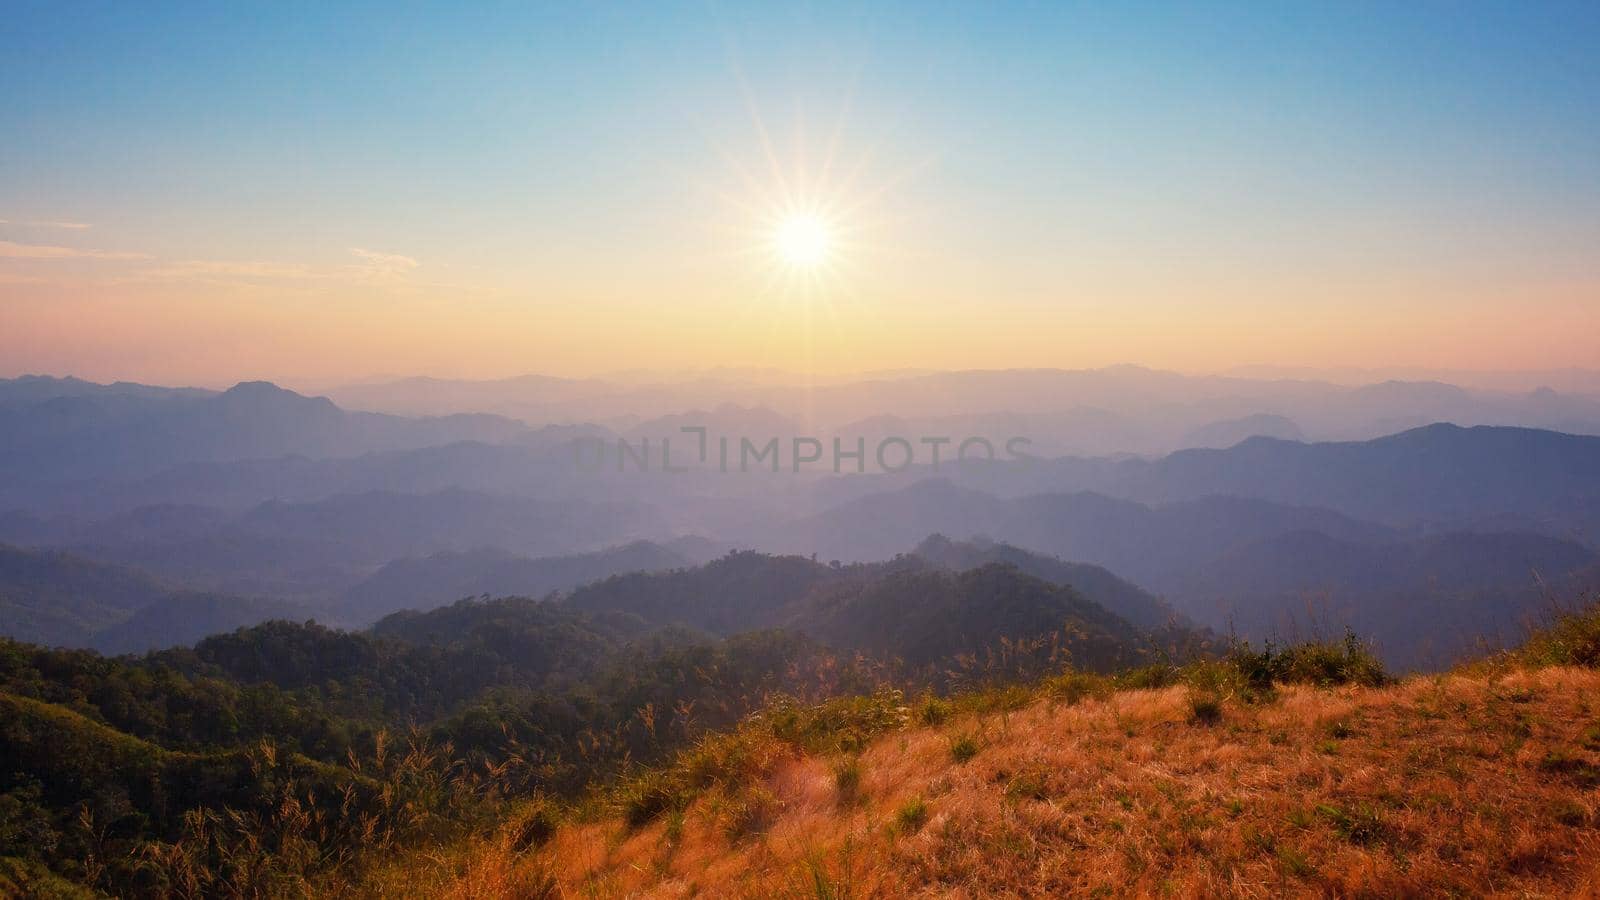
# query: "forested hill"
[[504, 696]]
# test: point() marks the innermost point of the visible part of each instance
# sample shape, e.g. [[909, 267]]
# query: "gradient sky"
[[201, 193]]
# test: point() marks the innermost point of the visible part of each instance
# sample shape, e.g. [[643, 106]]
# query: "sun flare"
[[803, 240]]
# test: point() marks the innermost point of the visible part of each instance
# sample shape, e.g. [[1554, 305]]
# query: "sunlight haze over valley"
[[534, 450]]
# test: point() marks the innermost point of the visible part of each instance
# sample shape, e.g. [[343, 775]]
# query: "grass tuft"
[[911, 815], [1205, 710], [847, 780], [1573, 639], [932, 711]]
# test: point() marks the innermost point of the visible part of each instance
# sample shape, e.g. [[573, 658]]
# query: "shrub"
[[648, 796], [1159, 675], [847, 780], [1590, 737], [843, 723], [1029, 785], [1295, 862], [751, 812], [1362, 825], [963, 747], [533, 828], [911, 815], [1221, 679], [932, 711], [1580, 770], [1348, 661], [1073, 688], [1571, 814], [1573, 639], [1205, 709], [1001, 698]]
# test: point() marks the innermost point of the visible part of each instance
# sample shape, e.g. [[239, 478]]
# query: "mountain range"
[[264, 501]]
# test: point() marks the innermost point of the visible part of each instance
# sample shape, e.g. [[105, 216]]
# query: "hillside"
[[1354, 792], [74, 429], [316, 551], [1255, 567], [1117, 595], [476, 703], [521, 748], [61, 599], [1300, 779], [1441, 473], [929, 617], [432, 581], [182, 619], [1426, 602], [57, 598]]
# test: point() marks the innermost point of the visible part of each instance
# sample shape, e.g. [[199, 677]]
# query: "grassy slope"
[[1482, 781]]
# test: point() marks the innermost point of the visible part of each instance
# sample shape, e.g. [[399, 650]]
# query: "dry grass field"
[[1482, 782]]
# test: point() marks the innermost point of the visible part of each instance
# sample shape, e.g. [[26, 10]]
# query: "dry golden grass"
[[1475, 784]]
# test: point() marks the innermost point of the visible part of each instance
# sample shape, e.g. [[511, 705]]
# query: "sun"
[[805, 217], [802, 240]]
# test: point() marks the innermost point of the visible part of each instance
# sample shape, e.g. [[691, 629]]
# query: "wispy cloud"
[[370, 269], [389, 263], [226, 269], [373, 266], [14, 250], [71, 226]]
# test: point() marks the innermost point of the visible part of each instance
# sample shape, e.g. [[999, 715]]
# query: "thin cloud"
[[374, 267], [14, 250], [393, 263], [226, 270], [71, 226]]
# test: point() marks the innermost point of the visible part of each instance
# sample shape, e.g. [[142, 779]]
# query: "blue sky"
[[1020, 157]]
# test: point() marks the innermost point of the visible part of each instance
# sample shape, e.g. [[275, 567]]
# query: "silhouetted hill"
[[239, 484], [1253, 566], [740, 592], [1441, 474], [435, 580], [1232, 431], [1112, 410], [58, 599], [1424, 603], [1145, 544], [182, 619], [62, 430], [316, 550], [27, 390], [61, 599], [384, 525], [921, 613], [937, 617], [1125, 599]]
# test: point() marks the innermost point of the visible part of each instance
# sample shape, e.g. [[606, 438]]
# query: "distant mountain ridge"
[[1439, 477], [1257, 568], [79, 431], [1440, 473], [1125, 599], [442, 578], [940, 602], [1143, 410], [60, 599]]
